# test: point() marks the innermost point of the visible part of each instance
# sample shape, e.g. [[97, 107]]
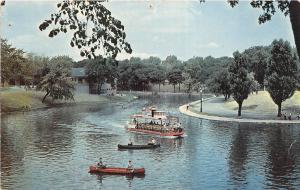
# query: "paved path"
[[183, 110]]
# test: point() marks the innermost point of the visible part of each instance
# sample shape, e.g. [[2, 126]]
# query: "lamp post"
[[201, 99]]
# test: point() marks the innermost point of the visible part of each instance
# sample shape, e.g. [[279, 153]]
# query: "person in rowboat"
[[152, 142], [130, 166], [130, 142], [100, 164]]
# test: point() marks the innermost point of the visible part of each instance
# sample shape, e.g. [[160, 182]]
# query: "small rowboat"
[[148, 146], [120, 171]]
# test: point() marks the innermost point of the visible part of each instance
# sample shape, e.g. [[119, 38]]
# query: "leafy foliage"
[[257, 57], [281, 73], [220, 84], [100, 70], [13, 67], [239, 81], [57, 82], [96, 31], [175, 76], [268, 8]]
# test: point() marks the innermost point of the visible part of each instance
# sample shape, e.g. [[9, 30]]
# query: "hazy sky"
[[156, 27]]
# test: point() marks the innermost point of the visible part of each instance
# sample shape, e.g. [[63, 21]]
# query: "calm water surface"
[[53, 148]]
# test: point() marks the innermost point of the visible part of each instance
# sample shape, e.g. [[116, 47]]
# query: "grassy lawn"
[[21, 100], [262, 102]]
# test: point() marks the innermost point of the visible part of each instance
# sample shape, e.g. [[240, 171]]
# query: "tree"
[[239, 80], [175, 76], [57, 82], [96, 31], [258, 59], [287, 7], [124, 73], [281, 73], [40, 66], [100, 70], [171, 61], [193, 73], [220, 84], [157, 75], [152, 60], [188, 81], [12, 60], [255, 86]]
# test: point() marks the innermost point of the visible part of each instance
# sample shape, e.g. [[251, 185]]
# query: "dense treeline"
[[141, 74], [51, 75], [273, 67]]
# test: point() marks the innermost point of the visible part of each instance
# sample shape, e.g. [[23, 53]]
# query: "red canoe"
[[122, 171]]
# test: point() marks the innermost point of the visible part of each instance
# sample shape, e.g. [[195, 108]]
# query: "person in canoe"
[[130, 142], [100, 164], [152, 142], [130, 166]]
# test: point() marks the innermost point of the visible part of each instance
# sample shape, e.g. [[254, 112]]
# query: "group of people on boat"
[[158, 128], [100, 164]]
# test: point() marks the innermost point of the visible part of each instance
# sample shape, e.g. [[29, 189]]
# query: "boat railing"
[[159, 128]]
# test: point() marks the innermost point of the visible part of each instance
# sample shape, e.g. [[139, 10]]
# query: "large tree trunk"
[[179, 87], [225, 96], [295, 21], [174, 88], [158, 87], [45, 96], [279, 110], [240, 109]]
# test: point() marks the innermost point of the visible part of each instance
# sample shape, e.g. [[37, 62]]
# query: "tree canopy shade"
[[96, 31], [12, 63], [220, 84], [175, 76], [56, 81], [100, 70], [239, 81], [258, 59], [281, 73]]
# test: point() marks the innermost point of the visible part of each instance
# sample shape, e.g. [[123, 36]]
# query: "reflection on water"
[[53, 148]]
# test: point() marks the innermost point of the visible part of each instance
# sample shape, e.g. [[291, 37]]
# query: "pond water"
[[53, 149]]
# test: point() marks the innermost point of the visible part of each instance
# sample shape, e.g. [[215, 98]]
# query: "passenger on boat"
[[130, 166], [100, 164], [152, 142], [164, 129], [130, 142]]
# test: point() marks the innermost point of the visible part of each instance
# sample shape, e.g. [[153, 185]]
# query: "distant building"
[[80, 77], [107, 89]]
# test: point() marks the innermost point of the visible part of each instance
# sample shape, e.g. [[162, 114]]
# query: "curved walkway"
[[183, 110]]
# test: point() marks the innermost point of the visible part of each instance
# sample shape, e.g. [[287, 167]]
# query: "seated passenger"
[[100, 164], [152, 142], [130, 166], [130, 142]]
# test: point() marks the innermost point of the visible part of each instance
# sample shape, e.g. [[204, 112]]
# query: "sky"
[[184, 28]]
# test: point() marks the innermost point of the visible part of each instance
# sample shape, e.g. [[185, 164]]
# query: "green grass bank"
[[21, 100]]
